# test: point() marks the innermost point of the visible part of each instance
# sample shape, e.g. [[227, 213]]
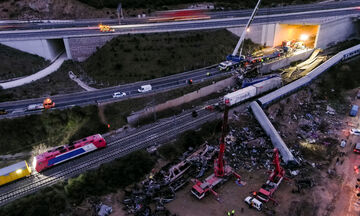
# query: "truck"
[[236, 57], [253, 203], [228, 65], [145, 88], [47, 104], [35, 107], [354, 110]]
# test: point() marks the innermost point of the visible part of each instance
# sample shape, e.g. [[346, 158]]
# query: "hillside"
[[131, 58], [15, 63]]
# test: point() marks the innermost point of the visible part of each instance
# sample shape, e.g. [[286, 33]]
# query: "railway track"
[[149, 136]]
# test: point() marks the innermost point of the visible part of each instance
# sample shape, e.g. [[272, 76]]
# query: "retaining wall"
[[182, 100], [272, 66]]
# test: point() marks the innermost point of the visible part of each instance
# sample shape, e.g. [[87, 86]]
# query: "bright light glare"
[[18, 171], [34, 163], [304, 37], [248, 29]]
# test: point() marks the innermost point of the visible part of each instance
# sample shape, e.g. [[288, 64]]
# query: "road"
[[48, 24], [18, 108], [347, 203], [36, 76], [228, 20]]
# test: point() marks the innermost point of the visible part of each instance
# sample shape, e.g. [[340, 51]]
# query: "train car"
[[266, 100], [350, 52], [252, 91], [267, 85], [67, 152], [296, 85], [14, 172], [240, 95]]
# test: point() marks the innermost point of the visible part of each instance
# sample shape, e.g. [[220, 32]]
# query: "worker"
[[228, 213], [208, 74], [233, 212]]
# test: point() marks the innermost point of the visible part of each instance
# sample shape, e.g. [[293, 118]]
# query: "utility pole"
[[120, 13]]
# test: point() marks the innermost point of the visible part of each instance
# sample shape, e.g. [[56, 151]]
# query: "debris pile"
[[249, 149], [159, 188]]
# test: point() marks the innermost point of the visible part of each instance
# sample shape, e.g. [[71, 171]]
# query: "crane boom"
[[236, 50], [219, 162]]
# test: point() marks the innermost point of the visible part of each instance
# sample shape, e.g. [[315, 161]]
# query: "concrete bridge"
[[325, 27]]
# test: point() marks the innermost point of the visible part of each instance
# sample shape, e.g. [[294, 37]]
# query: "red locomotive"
[[67, 152]]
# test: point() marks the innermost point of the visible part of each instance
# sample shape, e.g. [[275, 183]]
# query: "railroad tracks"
[[158, 134]]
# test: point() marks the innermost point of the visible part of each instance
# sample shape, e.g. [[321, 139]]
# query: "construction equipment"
[[277, 175], [233, 59], [268, 189], [222, 171]]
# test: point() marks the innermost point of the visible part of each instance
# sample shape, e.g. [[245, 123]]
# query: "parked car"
[[357, 148], [119, 94], [355, 131]]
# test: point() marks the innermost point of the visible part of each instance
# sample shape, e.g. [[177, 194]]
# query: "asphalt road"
[[48, 24], [227, 19], [18, 108]]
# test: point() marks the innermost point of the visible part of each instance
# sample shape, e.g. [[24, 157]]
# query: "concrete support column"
[[67, 48]]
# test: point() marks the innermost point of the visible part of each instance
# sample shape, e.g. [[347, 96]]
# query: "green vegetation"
[[52, 128], [61, 197], [131, 58], [338, 79], [56, 83], [166, 4], [15, 63], [58, 127]]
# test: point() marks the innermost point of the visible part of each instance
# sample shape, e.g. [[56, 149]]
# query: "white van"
[[253, 202], [145, 88]]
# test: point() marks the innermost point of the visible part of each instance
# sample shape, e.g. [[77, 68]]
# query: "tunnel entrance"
[[306, 34]]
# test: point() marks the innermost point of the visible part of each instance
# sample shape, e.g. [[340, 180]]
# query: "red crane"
[[219, 162], [221, 170], [276, 176]]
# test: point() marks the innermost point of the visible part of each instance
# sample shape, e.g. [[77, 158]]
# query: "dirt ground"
[[334, 177]]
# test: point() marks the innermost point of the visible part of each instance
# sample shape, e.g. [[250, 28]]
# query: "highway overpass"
[[80, 42]]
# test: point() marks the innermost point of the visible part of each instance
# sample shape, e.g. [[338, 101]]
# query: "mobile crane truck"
[[234, 60]]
